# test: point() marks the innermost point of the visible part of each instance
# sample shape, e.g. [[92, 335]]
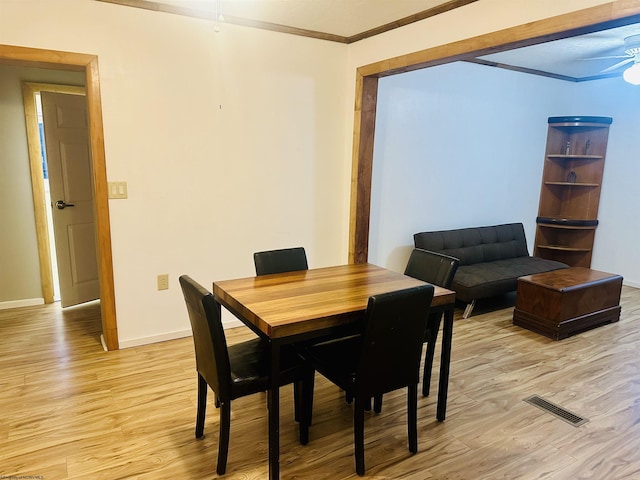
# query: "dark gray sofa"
[[491, 259]]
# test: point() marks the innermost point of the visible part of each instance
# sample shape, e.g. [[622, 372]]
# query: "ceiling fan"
[[632, 54]]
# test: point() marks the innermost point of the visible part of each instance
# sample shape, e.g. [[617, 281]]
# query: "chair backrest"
[[279, 261], [432, 267], [212, 356], [394, 329]]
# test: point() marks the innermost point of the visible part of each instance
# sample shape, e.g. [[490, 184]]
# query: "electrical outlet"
[[163, 282]]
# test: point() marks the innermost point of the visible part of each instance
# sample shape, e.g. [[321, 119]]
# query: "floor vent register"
[[556, 410]]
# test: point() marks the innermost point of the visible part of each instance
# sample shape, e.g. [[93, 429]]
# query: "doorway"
[[575, 23], [31, 95], [87, 64]]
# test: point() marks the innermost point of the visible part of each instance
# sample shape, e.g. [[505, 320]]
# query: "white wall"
[[615, 246], [457, 145], [463, 145], [230, 142], [478, 18]]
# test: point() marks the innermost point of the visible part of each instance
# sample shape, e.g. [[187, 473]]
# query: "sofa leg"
[[468, 309]]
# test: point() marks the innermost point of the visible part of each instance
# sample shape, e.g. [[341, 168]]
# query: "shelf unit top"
[[578, 121]]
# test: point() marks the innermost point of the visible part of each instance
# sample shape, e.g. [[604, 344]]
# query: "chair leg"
[[202, 406], [307, 396], [305, 405], [412, 417], [297, 396], [377, 403], [358, 433], [348, 397], [428, 357], [468, 309], [223, 438]]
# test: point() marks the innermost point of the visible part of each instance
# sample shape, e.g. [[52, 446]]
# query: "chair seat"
[[337, 359], [250, 363]]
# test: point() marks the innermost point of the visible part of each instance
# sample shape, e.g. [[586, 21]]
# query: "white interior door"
[[67, 145]]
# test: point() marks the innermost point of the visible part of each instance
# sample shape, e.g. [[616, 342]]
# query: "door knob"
[[61, 205]]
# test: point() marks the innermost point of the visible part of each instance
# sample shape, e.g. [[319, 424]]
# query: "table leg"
[[445, 359], [273, 397]]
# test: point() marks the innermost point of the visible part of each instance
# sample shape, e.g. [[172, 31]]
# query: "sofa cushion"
[[482, 280]]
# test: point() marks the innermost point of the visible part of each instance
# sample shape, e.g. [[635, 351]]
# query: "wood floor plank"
[[72, 411]]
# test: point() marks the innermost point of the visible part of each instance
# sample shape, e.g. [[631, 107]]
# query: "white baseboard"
[[631, 284], [136, 342], [27, 302], [232, 323]]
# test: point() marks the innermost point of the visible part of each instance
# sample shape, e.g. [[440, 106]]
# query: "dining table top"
[[292, 303]]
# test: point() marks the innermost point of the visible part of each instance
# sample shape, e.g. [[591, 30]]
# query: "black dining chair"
[[284, 260], [280, 261], [288, 260], [237, 370], [386, 357], [436, 269]]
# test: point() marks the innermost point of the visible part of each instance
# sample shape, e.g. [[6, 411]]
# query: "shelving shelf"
[[570, 190], [572, 184], [563, 248], [575, 157], [566, 227]]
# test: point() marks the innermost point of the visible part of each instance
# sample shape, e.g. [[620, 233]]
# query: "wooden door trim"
[[79, 62], [608, 15]]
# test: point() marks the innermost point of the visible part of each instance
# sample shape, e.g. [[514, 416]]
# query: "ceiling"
[[576, 58], [337, 18], [581, 58]]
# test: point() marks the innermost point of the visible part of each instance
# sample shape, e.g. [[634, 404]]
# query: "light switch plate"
[[117, 189]]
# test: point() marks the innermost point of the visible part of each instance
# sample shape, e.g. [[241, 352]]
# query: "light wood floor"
[[69, 410]]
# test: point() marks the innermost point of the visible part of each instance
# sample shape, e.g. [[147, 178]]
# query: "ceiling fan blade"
[[606, 58], [617, 65]]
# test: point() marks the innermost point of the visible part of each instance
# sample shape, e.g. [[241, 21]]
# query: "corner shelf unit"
[[570, 191]]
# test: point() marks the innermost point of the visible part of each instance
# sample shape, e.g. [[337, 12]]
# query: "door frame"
[[601, 17], [80, 62]]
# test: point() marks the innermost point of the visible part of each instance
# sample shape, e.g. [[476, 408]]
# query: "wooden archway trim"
[[592, 19], [33, 57]]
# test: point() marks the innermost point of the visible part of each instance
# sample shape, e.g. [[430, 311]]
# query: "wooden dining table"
[[296, 306]]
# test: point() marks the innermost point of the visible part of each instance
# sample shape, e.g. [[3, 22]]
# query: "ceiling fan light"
[[632, 74]]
